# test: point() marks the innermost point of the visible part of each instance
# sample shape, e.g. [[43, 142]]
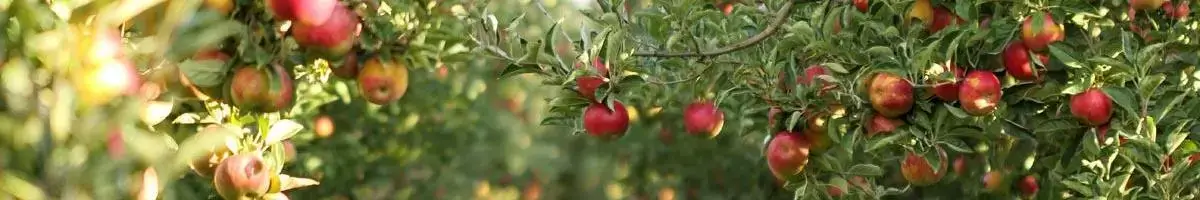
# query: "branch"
[[780, 17]]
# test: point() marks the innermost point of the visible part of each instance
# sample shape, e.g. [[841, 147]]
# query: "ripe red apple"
[[1092, 107], [310, 12], [588, 86], [891, 95], [917, 170], [980, 92], [812, 76], [382, 82], [242, 175], [1177, 12], [1146, 4], [862, 5], [333, 38], [349, 68], [948, 90], [882, 125], [726, 6], [960, 165], [787, 154], [702, 118], [995, 181], [262, 90], [1038, 40], [1029, 186], [600, 66], [943, 18], [603, 123], [1018, 64]]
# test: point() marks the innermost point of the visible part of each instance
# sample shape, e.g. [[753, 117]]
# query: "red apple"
[[1147, 4], [309, 12], [334, 38], [600, 66], [349, 67], [891, 95], [960, 165], [1092, 107], [980, 92], [882, 125], [262, 90], [603, 123], [1038, 40], [1018, 64], [995, 181], [241, 176], [943, 18], [1177, 12], [862, 5], [812, 75], [917, 170], [1029, 186], [787, 154], [382, 82], [948, 90], [702, 118], [588, 86]]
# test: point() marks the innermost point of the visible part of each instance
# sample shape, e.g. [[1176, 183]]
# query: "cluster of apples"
[[239, 175], [788, 151], [701, 117]]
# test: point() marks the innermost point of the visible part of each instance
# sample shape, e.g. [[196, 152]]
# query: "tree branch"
[[780, 17]]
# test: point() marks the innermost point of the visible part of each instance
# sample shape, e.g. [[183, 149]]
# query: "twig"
[[780, 17]]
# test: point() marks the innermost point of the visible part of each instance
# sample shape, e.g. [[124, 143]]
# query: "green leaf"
[[1176, 137], [793, 120], [1062, 56], [1122, 66], [881, 51], [188, 43], [1123, 97], [1161, 109], [517, 69], [1149, 84], [865, 170], [282, 130], [836, 68], [876, 144], [204, 73], [1078, 187], [1127, 42], [548, 46], [957, 112]]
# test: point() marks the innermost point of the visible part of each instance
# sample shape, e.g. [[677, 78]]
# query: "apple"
[[588, 86], [1028, 186], [703, 118], [333, 38], [891, 95], [948, 90], [1092, 107], [382, 82], [1177, 12], [943, 18], [262, 90], [816, 129], [601, 122], [812, 76], [862, 5], [289, 151], [349, 67], [1018, 64], [960, 165], [1039, 39], [221, 6], [980, 92], [882, 125], [787, 154], [1147, 4], [995, 181], [242, 175], [922, 10], [917, 170], [310, 12], [835, 191], [726, 6]]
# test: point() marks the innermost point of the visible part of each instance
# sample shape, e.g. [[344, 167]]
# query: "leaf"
[[186, 44], [793, 120], [1062, 56], [1127, 46], [1111, 62], [204, 73], [548, 46], [1123, 97], [1078, 187], [20, 188], [1176, 137], [517, 69], [865, 170], [836, 68], [1149, 84], [288, 182], [157, 111], [881, 51], [186, 118], [282, 130], [1161, 109], [876, 144], [957, 112]]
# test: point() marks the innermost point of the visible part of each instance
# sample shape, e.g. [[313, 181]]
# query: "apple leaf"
[[865, 170], [157, 111], [204, 73], [288, 182], [1123, 97], [282, 130]]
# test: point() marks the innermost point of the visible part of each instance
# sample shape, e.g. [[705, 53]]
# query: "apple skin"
[[307, 12], [980, 92], [812, 76], [1038, 40], [1146, 4], [1177, 11], [382, 82], [588, 86], [890, 94], [600, 122], [995, 181], [960, 165], [943, 18], [948, 90], [1028, 186], [262, 90], [349, 68], [862, 5], [242, 175], [1092, 107], [787, 154], [1018, 64], [922, 10], [703, 118], [879, 125], [919, 172], [334, 38]]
